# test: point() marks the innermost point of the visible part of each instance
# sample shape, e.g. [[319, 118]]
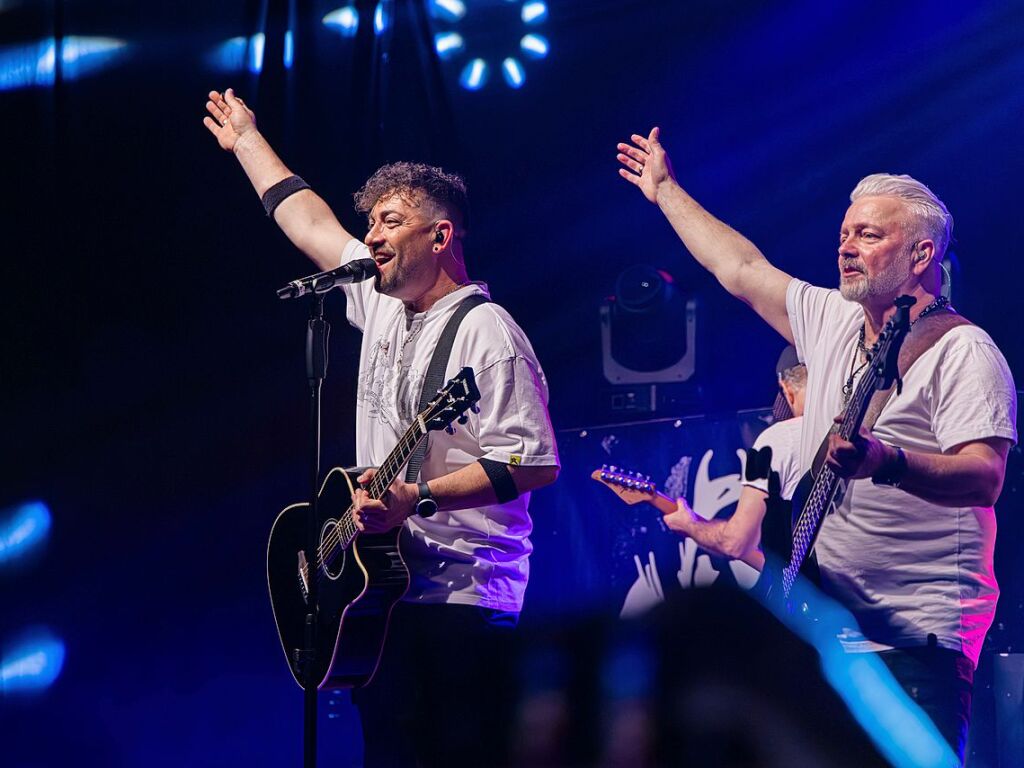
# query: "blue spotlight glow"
[[34, 64], [289, 49], [474, 75], [534, 12], [904, 735], [239, 53], [254, 60], [32, 663], [447, 44], [22, 528], [534, 46], [345, 21], [513, 73], [381, 18], [447, 10]]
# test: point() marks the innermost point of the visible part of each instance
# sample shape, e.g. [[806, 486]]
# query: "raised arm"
[[734, 261], [304, 216]]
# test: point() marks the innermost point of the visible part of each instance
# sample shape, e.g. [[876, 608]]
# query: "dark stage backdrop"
[[153, 387]]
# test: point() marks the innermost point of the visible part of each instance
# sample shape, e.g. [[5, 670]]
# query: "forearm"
[[737, 264], [957, 480], [471, 487], [304, 217], [715, 245], [736, 538]]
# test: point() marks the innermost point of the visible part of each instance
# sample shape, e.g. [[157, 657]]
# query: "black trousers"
[[443, 693], [941, 682]]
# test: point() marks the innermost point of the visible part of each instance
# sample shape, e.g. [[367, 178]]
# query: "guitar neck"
[[382, 479], [664, 504], [392, 465], [826, 482]]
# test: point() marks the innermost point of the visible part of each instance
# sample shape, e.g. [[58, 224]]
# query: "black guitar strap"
[[434, 378]]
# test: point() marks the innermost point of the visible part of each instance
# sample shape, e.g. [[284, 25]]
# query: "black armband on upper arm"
[[279, 192], [501, 480]]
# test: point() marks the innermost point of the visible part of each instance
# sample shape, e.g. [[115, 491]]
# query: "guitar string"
[[392, 464], [346, 522], [376, 489], [824, 485]]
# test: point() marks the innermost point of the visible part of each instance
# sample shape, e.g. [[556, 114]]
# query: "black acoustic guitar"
[[821, 490], [360, 576]]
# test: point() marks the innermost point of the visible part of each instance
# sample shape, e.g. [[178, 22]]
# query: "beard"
[[885, 285], [387, 282]]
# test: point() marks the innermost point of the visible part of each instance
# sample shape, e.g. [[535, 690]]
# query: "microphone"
[[353, 272]]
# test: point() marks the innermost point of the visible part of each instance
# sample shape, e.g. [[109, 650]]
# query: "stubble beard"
[[884, 285]]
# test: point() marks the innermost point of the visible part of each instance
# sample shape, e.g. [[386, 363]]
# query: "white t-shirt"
[[783, 437], [475, 556], [905, 567]]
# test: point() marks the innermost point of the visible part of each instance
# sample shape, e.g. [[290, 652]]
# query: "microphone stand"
[[317, 334]]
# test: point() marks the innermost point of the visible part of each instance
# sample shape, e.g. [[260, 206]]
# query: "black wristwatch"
[[426, 506], [892, 473]]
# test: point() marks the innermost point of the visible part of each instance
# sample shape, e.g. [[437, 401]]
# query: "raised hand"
[[230, 118], [645, 163]]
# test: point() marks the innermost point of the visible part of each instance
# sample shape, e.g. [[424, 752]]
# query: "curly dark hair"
[[414, 182]]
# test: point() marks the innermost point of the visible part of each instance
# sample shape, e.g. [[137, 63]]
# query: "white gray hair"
[[933, 218]]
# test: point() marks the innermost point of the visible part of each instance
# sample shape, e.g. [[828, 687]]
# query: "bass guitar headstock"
[[631, 487], [885, 354]]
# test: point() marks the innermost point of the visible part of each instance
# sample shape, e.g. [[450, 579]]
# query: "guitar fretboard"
[[386, 474], [827, 483]]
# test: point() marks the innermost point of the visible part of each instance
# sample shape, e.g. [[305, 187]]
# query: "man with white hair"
[[909, 550]]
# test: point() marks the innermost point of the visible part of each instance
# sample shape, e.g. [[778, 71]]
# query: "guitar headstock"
[[631, 487], [453, 400], [885, 354]]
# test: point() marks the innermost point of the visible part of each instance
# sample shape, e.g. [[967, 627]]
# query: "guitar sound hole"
[[330, 547]]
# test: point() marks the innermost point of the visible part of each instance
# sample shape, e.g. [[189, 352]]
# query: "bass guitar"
[[821, 490], [360, 576]]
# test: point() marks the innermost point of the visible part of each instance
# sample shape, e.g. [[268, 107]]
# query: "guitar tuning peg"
[[450, 429], [647, 478], [463, 419], [474, 408], [613, 468], [604, 467]]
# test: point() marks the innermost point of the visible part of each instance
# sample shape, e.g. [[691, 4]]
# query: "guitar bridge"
[[303, 576]]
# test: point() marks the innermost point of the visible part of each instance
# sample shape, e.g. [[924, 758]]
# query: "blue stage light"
[[289, 49], [381, 18], [447, 44], [474, 75], [513, 73], [32, 663], [344, 20], [22, 528], [35, 64], [254, 60], [534, 46], [534, 12], [239, 53], [447, 10]]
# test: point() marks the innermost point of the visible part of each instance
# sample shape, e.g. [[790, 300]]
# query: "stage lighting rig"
[[482, 36]]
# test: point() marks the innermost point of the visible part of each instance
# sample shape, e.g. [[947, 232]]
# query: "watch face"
[[426, 507]]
